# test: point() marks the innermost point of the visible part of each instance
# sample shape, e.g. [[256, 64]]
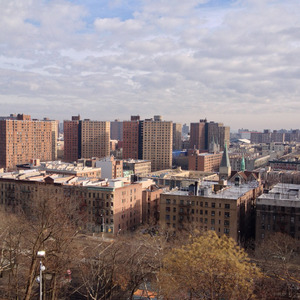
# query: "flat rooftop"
[[72, 180], [230, 191], [282, 194]]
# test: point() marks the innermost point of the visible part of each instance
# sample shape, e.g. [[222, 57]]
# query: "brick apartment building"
[[279, 211], [112, 206], [150, 139], [203, 133], [225, 209], [206, 162], [86, 139], [177, 132], [23, 139]]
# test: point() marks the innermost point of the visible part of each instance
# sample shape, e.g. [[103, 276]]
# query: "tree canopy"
[[208, 267]]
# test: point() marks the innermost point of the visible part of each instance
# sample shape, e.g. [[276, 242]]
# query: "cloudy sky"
[[236, 62]]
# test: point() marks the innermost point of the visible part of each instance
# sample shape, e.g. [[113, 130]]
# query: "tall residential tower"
[[86, 139], [23, 139], [150, 139]]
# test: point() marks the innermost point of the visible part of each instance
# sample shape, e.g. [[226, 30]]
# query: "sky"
[[230, 61]]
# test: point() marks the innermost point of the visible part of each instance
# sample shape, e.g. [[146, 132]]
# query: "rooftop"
[[230, 191], [41, 176], [282, 194]]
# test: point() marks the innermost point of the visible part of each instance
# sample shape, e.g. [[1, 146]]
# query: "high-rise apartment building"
[[219, 133], [116, 130], [131, 138], [157, 143], [86, 139], [204, 133], [150, 139], [198, 135], [71, 139], [177, 131], [54, 132], [23, 139]]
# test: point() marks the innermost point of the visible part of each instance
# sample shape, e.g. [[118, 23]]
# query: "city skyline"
[[229, 61]]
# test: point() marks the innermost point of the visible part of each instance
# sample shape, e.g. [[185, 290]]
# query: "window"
[[174, 209], [226, 230], [213, 205], [227, 214], [168, 209], [227, 206], [226, 223], [206, 204], [213, 213], [181, 202], [168, 201], [168, 217], [174, 218]]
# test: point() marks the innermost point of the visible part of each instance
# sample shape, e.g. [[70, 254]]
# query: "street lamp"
[[103, 224], [41, 255]]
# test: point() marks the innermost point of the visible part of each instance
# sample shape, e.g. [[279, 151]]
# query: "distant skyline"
[[235, 62]]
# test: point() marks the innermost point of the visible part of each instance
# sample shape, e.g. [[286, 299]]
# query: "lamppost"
[[41, 255], [103, 224]]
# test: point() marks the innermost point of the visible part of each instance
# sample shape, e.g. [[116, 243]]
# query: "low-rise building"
[[110, 206], [110, 167], [179, 178], [225, 209], [206, 162], [137, 166], [278, 211]]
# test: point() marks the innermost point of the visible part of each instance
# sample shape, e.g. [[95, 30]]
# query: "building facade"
[[223, 209], [132, 138], [198, 135], [206, 162], [177, 141], [202, 134], [138, 167], [116, 130], [157, 143], [279, 211], [150, 139], [110, 167], [110, 206], [23, 139], [86, 139]]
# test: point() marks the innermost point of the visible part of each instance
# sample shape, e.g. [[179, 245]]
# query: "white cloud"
[[176, 58]]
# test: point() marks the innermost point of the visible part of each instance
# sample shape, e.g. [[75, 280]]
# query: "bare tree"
[[279, 259]]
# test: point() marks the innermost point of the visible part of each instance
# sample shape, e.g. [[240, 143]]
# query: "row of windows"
[[206, 204], [279, 208], [226, 230], [201, 220], [280, 217]]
